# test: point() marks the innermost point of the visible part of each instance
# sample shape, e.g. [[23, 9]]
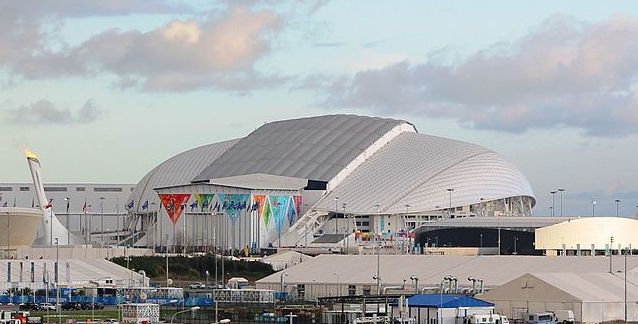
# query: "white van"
[[565, 316], [486, 319], [540, 318]]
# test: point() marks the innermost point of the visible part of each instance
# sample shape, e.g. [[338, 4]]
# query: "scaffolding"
[[140, 313], [261, 296]]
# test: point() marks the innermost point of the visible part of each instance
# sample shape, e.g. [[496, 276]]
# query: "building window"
[[301, 291], [107, 189], [24, 188], [6, 189], [58, 189], [352, 290], [80, 189], [366, 291]]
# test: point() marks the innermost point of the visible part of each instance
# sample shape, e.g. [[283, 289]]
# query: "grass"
[[194, 269], [86, 314]]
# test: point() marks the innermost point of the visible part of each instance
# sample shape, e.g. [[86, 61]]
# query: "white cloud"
[[43, 112], [565, 73]]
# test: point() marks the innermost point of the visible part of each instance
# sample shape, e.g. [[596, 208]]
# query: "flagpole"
[[185, 229]]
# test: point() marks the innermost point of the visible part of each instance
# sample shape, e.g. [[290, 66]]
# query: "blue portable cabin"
[[441, 308]]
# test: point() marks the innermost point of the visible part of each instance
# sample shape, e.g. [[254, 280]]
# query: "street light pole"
[[405, 228], [102, 219], [593, 208], [336, 212], [57, 280], [192, 309], [68, 222], [617, 201], [450, 190], [347, 229], [561, 200]]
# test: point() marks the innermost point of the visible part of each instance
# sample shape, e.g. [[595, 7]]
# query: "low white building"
[[588, 236], [338, 275], [593, 297]]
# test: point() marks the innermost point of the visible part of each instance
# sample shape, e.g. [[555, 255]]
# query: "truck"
[[565, 316]]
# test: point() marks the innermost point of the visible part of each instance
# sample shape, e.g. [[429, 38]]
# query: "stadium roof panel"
[[416, 169], [314, 148]]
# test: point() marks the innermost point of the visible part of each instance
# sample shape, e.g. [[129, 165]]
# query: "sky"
[[103, 91]]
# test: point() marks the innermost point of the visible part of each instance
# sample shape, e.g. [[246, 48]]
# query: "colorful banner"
[[174, 204], [292, 212], [298, 202], [235, 204], [260, 201], [203, 201], [267, 213], [279, 206]]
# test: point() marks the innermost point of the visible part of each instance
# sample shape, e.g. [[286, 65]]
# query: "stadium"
[[332, 179]]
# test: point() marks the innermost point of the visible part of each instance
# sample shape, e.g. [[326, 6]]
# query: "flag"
[[84, 208], [174, 204], [68, 203], [130, 205], [145, 205], [32, 202], [14, 201], [48, 205]]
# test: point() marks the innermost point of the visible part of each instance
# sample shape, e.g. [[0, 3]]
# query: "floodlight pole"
[[102, 219], [561, 200], [617, 201], [553, 196], [450, 190], [336, 214]]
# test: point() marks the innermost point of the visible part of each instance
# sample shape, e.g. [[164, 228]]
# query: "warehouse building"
[[589, 236], [593, 297], [336, 275]]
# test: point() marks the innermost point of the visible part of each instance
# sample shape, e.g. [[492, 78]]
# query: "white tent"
[[593, 297]]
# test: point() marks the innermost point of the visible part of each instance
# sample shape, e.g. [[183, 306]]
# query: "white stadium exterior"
[[289, 181]]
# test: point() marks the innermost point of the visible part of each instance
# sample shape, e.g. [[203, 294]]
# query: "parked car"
[[45, 306], [29, 307], [198, 285], [96, 305], [71, 306]]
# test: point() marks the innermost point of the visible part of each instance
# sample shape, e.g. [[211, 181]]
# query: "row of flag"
[[268, 207]]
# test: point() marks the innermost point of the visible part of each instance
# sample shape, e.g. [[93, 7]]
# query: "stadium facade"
[[291, 181]]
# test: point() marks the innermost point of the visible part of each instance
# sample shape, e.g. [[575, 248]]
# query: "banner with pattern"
[[203, 201], [174, 205], [279, 206]]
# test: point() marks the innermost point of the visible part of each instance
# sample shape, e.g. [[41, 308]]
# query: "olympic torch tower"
[[50, 224]]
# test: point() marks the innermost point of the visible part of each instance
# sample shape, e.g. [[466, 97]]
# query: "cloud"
[[28, 30], [216, 50], [44, 112], [564, 73], [219, 51]]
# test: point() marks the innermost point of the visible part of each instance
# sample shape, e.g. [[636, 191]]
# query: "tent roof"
[[445, 301]]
